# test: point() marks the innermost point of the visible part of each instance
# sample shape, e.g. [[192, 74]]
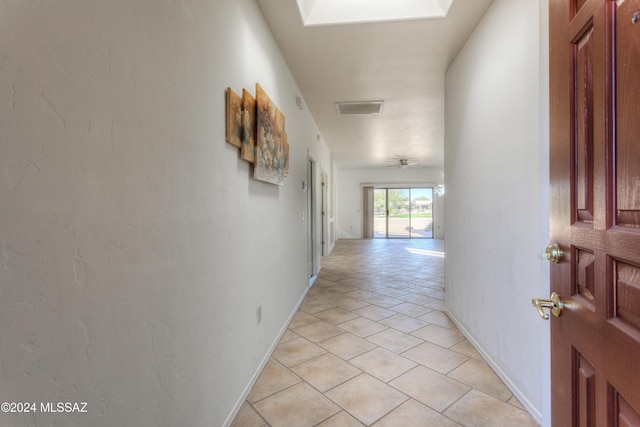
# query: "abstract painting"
[[248, 149], [272, 153], [286, 154], [234, 118]]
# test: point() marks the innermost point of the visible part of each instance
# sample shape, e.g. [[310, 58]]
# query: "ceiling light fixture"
[[403, 164]]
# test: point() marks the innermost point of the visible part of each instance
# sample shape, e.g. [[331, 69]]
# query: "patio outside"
[[403, 213]]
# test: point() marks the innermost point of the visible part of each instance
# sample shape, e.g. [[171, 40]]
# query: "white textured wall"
[[350, 200], [134, 244], [496, 177]]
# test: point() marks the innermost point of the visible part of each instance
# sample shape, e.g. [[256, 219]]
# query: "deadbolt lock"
[[553, 253]]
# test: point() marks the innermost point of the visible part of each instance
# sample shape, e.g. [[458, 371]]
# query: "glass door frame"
[[385, 212]]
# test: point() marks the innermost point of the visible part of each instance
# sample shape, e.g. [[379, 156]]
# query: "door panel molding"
[[595, 211]]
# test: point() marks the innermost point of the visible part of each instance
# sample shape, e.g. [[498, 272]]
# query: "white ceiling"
[[401, 62]]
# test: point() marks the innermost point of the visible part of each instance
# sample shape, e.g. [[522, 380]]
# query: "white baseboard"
[[236, 408], [533, 411]]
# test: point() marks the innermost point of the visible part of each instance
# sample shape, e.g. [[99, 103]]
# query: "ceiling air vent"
[[366, 107]]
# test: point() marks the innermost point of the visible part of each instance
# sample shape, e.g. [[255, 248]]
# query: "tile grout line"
[[355, 282]]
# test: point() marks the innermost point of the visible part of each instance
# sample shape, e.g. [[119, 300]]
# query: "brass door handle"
[[554, 303]]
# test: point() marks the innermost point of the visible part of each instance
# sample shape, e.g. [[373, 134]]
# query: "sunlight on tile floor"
[[371, 346]]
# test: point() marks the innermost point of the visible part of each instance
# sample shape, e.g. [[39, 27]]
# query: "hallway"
[[371, 345]]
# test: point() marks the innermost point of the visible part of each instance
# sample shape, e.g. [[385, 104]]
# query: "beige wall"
[[135, 246], [496, 177]]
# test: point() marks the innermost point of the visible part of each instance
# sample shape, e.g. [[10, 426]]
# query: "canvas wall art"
[[286, 154], [234, 118], [248, 149], [271, 160], [256, 127]]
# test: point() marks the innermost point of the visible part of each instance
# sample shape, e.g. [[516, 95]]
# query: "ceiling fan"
[[403, 164]]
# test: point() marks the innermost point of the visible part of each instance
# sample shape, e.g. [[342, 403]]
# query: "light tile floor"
[[371, 346]]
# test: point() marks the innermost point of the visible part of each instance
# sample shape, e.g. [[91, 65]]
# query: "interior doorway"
[[309, 187], [324, 217], [403, 213]]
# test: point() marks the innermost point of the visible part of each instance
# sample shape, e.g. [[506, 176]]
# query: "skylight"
[[332, 12]]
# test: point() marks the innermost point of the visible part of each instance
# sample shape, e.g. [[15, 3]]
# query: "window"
[[403, 213]]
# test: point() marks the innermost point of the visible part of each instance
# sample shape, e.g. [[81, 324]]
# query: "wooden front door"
[[595, 211]]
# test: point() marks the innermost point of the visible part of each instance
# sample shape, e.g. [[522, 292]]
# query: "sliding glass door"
[[399, 214], [422, 212], [403, 213], [380, 212]]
